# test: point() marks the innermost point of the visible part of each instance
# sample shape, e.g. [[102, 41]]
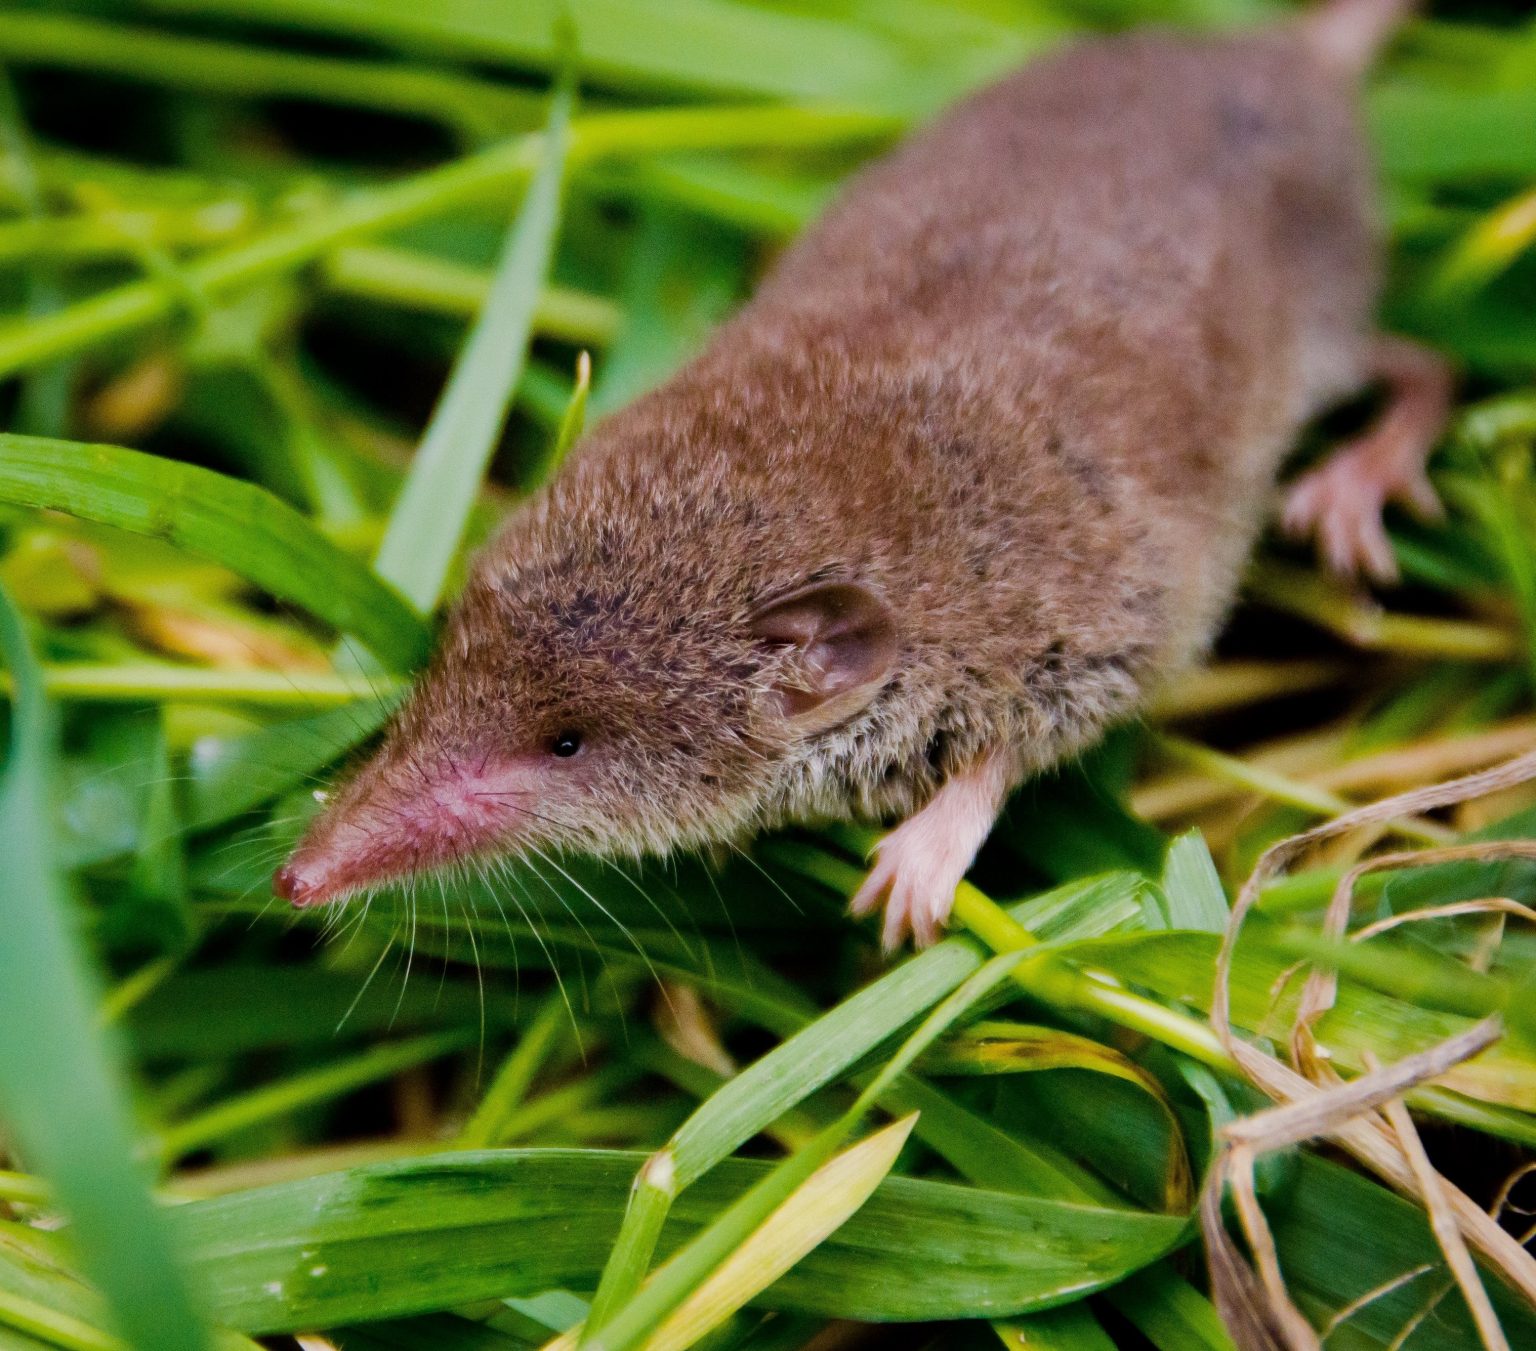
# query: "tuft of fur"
[[1030, 380]]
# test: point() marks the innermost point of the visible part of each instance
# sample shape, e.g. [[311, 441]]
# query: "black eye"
[[565, 744]]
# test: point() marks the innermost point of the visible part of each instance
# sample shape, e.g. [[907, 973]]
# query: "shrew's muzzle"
[[395, 821]]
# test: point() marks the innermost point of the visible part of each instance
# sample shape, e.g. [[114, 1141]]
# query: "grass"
[[275, 248]]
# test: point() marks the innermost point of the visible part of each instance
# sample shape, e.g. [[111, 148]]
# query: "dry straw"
[[1365, 1116]]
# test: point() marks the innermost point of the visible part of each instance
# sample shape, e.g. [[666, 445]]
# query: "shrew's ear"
[[846, 635]]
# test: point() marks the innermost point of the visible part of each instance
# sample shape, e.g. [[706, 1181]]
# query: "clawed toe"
[[919, 864], [915, 907], [872, 895], [1340, 505]]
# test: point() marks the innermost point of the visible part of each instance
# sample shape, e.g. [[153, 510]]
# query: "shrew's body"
[[976, 469]]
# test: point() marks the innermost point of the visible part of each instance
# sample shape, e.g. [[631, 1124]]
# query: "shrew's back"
[[1110, 287]]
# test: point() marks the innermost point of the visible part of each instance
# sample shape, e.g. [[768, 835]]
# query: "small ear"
[[846, 635]]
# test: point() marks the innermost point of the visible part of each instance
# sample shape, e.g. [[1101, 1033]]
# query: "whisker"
[[549, 956], [586, 997]]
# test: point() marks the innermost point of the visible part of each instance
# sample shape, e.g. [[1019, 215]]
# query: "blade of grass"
[[743, 1106], [53, 1327], [1424, 132], [230, 522], [231, 775], [640, 1316], [815, 1209], [305, 1089], [287, 246], [136, 683], [571, 423], [1002, 1047], [661, 45], [297, 1008], [1490, 247], [61, 1086], [510, 1086], [1047, 978], [43, 405], [1279, 787], [1341, 1237], [1073, 1328], [1170, 1312], [24, 1189], [427, 524], [40, 1293], [445, 1230], [1366, 625], [1178, 966], [475, 107], [1192, 886], [423, 281]]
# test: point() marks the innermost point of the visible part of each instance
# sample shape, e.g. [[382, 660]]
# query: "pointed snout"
[[390, 824], [341, 856], [315, 875], [289, 883]]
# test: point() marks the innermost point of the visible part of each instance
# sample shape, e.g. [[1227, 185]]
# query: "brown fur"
[[1030, 380]]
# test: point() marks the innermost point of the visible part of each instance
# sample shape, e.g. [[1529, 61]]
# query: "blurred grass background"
[[254, 240]]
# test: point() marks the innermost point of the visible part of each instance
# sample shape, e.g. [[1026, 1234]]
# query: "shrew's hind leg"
[[1341, 501], [920, 863]]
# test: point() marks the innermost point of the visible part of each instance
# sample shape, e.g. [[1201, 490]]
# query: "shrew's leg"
[[920, 863], [1341, 501]]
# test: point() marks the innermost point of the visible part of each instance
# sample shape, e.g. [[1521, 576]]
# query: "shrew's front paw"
[[916, 889], [920, 863]]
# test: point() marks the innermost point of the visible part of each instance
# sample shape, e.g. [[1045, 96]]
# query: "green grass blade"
[[288, 246], [140, 682], [509, 1088], [303, 1090], [423, 281], [225, 520], [1342, 1237], [1192, 887], [795, 1222], [298, 1008], [41, 1293], [1179, 966], [641, 1316], [1169, 1312], [650, 1202], [1425, 132], [427, 524], [245, 70], [230, 775], [815, 1056], [571, 423], [704, 46], [1072, 1328], [61, 1087], [992, 1156], [388, 1240]]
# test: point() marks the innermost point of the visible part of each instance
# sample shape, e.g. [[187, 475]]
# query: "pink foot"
[[915, 883], [1340, 503], [920, 863]]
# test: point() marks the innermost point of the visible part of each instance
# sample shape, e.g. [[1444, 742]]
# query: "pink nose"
[[290, 886]]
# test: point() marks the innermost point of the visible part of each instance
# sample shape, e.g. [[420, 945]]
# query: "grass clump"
[[253, 241]]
